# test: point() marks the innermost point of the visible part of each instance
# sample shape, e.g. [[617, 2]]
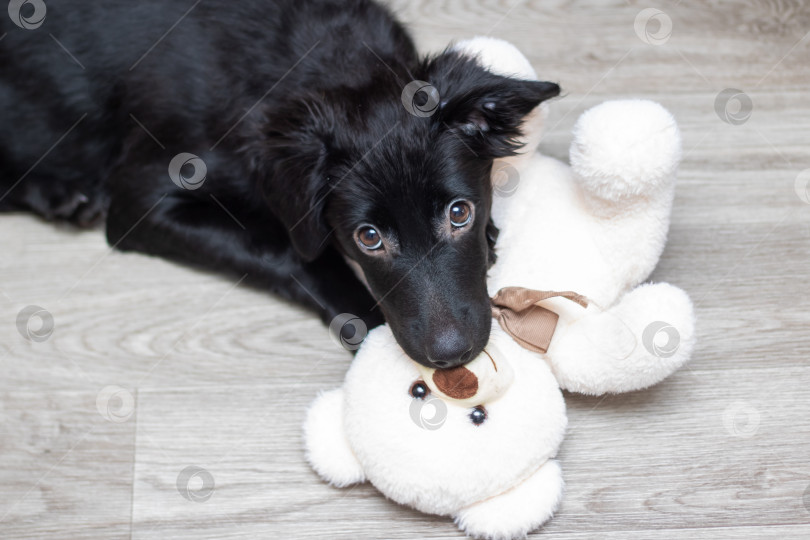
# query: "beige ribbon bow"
[[532, 326]]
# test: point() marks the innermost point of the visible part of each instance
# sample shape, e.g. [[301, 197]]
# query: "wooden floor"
[[153, 368]]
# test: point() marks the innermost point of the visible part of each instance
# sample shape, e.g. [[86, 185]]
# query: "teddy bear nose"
[[449, 348]]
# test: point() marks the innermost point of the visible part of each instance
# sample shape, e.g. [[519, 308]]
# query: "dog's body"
[[295, 109]]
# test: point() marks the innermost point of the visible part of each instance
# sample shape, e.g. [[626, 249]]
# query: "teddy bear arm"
[[636, 343], [518, 511], [327, 447]]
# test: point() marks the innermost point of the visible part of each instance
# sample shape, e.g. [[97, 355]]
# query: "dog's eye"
[[478, 415], [419, 390], [459, 213], [369, 238]]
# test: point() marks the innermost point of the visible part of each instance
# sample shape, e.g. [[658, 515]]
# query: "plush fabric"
[[596, 227]]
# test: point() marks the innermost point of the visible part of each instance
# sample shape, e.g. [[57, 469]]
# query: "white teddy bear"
[[477, 442]]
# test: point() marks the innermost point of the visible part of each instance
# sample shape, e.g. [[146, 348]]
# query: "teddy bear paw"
[[626, 150]]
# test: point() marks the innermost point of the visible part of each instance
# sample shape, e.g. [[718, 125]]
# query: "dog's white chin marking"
[[358, 271]]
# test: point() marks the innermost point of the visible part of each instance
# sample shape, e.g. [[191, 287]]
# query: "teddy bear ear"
[[518, 511], [327, 448]]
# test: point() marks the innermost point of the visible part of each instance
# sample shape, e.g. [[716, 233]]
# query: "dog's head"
[[396, 175]]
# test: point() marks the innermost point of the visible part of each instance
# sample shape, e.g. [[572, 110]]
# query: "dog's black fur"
[[295, 108]]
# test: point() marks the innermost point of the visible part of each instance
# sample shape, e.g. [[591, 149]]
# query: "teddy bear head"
[[437, 440]]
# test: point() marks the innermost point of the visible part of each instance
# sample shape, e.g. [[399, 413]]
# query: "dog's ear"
[[289, 154], [484, 108]]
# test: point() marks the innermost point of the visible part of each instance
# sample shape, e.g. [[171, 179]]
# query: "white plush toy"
[[477, 442]]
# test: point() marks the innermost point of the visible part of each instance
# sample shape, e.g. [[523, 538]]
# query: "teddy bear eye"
[[478, 415], [419, 390]]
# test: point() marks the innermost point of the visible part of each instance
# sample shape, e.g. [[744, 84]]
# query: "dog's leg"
[[218, 233]]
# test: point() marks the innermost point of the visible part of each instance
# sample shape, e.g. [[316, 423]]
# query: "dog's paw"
[[61, 201]]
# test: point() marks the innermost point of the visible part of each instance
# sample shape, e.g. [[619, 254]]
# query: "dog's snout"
[[449, 348]]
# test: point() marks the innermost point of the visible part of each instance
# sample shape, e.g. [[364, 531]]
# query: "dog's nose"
[[449, 348]]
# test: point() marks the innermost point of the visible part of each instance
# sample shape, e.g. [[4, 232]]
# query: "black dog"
[[277, 141]]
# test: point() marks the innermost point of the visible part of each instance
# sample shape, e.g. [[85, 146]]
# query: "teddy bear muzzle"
[[479, 382]]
